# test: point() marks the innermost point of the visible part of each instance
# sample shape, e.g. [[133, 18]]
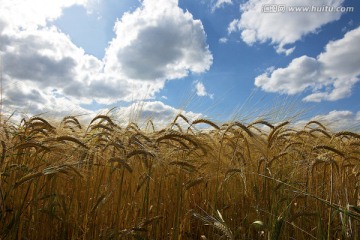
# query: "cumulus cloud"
[[336, 120], [257, 25], [158, 41], [159, 113], [201, 90], [46, 59], [220, 3], [155, 43], [28, 100], [290, 80], [38, 55], [32, 14], [330, 76]]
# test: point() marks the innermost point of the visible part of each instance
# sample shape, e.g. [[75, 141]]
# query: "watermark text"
[[282, 8]]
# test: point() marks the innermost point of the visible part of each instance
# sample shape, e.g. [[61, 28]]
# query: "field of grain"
[[189, 180]]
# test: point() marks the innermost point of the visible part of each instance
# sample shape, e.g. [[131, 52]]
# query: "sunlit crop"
[[189, 180]]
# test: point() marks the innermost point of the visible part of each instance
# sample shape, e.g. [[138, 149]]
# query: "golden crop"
[[231, 181]]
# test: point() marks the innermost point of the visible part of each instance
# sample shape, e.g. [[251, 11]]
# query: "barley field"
[[189, 180]]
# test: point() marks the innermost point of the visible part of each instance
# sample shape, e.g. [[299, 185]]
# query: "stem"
[[178, 206], [330, 202]]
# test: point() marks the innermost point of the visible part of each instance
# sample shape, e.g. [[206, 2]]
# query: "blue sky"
[[217, 59]]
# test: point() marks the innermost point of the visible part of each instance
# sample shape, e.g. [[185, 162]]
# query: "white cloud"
[[32, 14], [160, 114], [27, 100], [330, 76], [44, 69], [336, 120], [357, 118], [139, 112], [223, 40], [255, 25], [290, 80], [201, 90], [220, 3], [46, 59], [158, 41]]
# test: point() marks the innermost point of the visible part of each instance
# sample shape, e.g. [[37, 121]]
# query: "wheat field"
[[189, 180]]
